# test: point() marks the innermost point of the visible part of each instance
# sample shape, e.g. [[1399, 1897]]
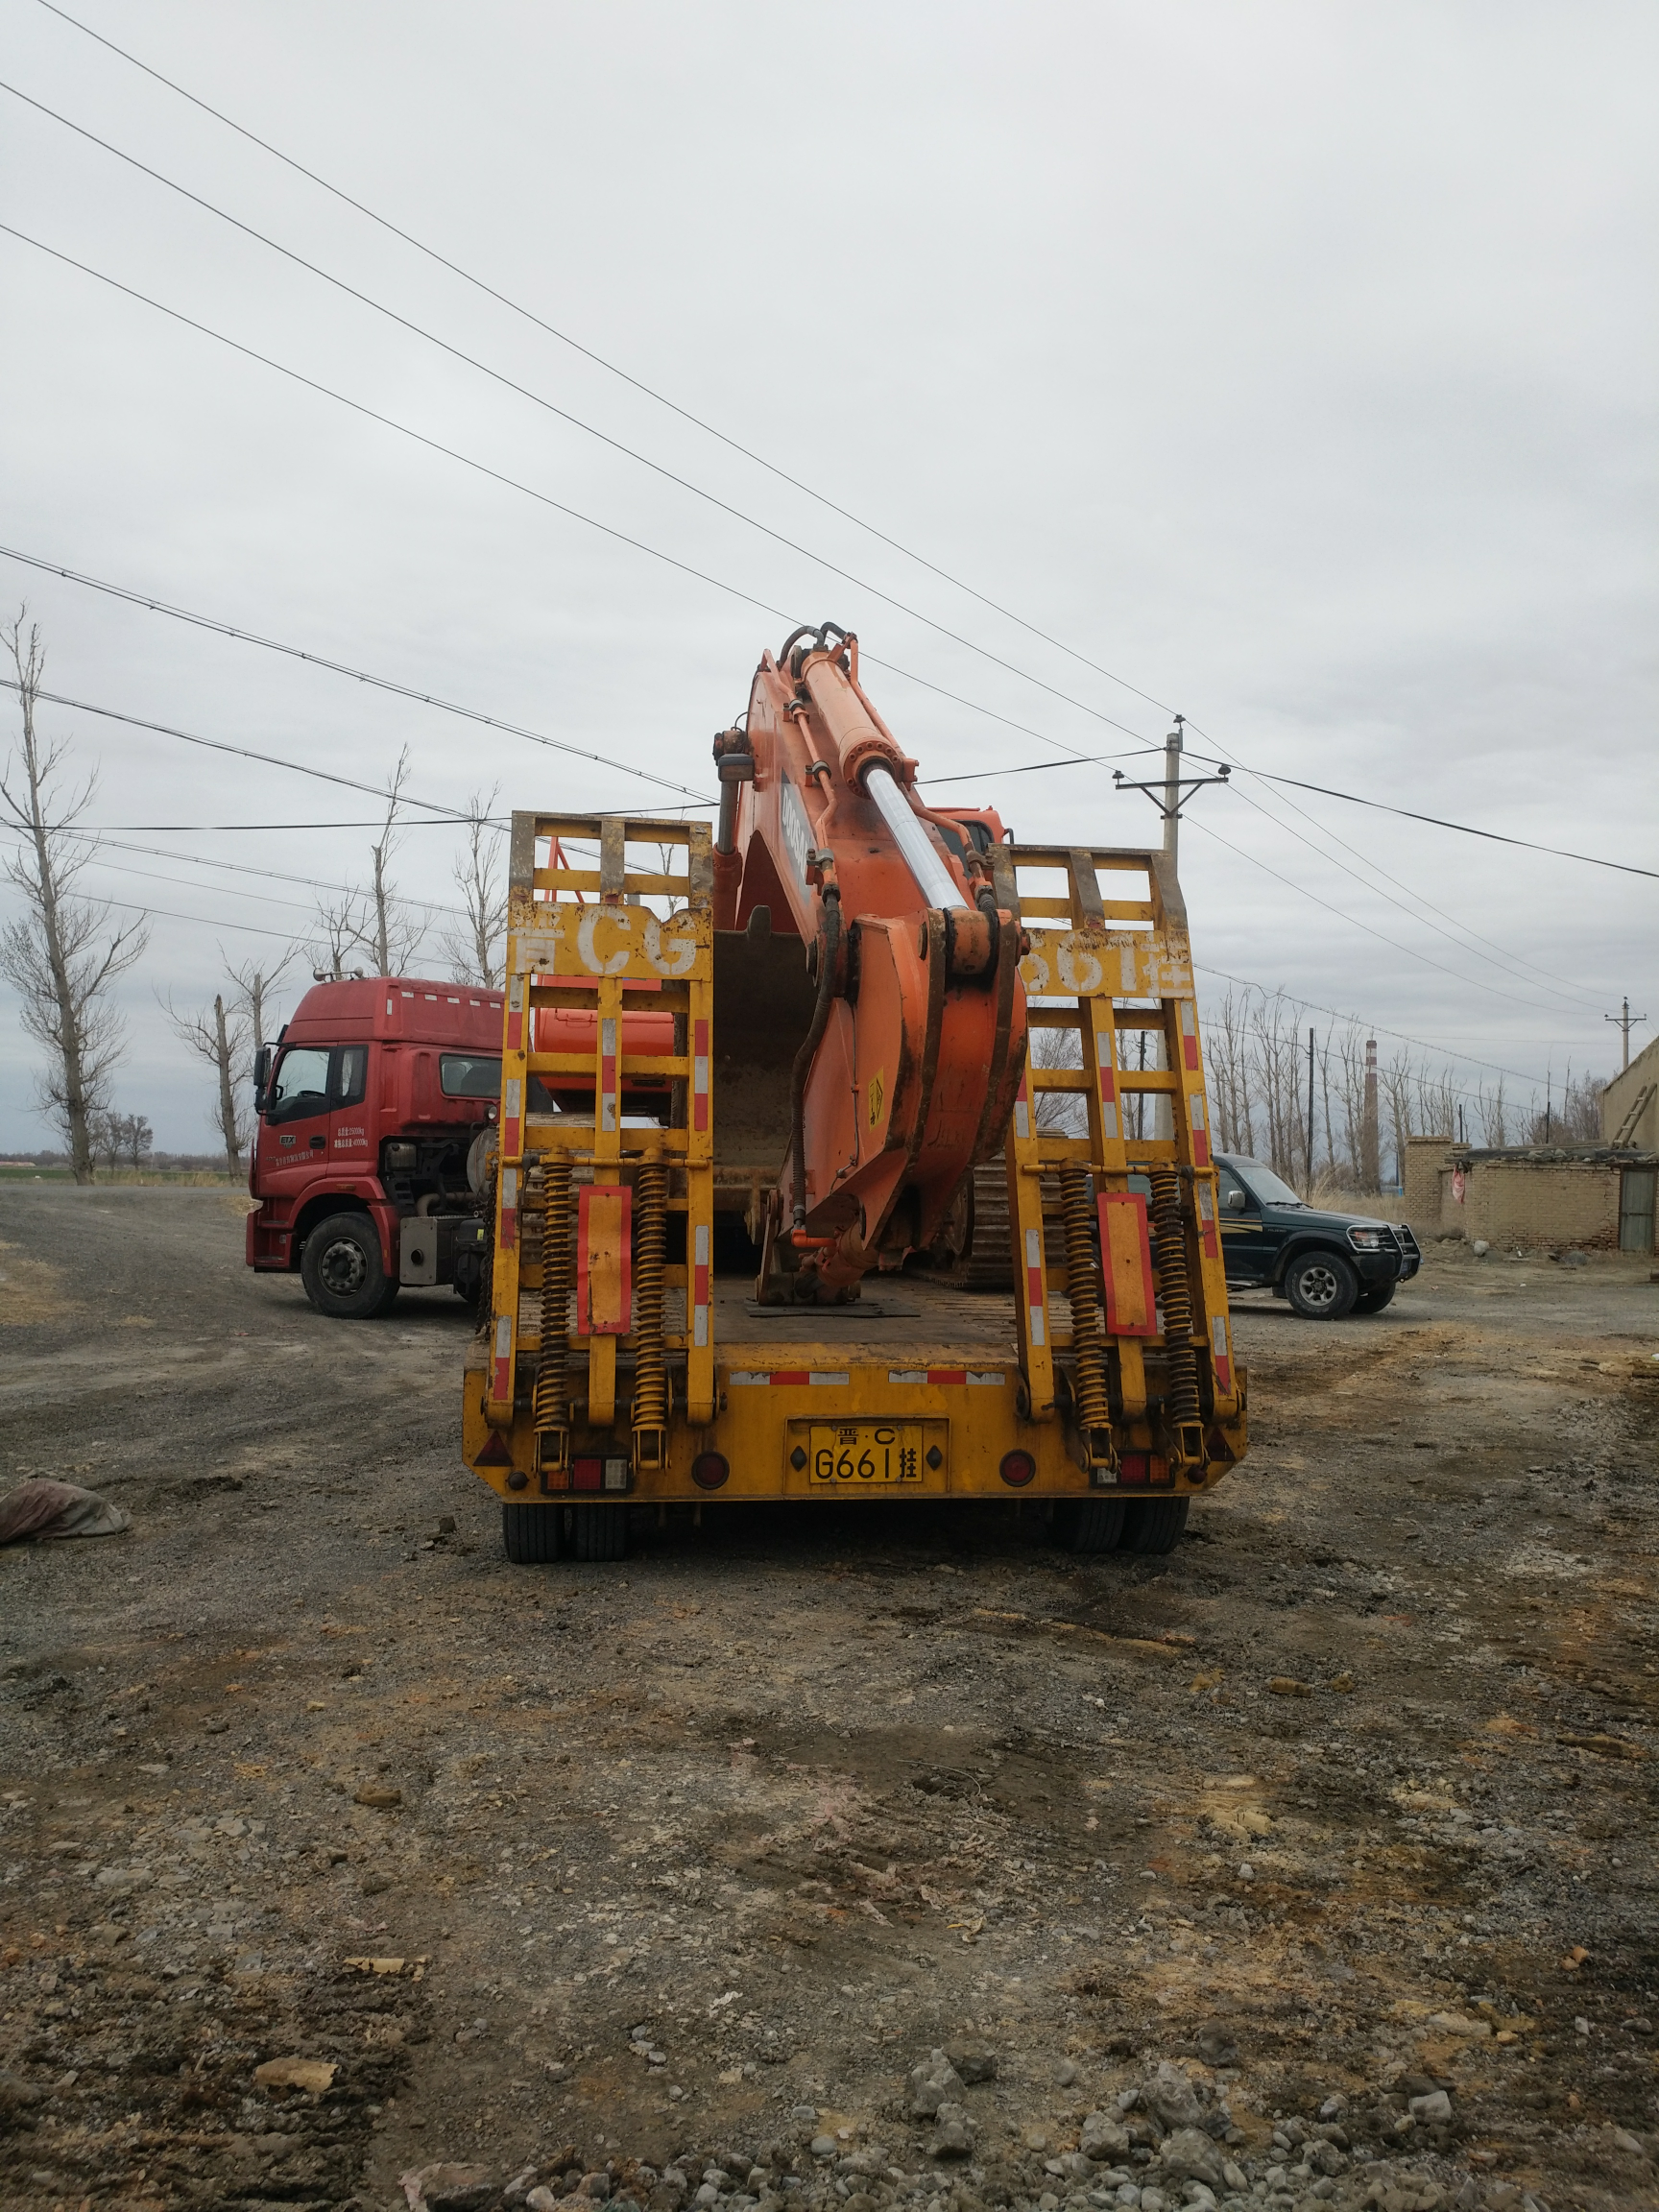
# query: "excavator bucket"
[[762, 1010]]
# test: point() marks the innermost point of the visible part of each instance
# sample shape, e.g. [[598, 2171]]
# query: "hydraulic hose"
[[828, 948]]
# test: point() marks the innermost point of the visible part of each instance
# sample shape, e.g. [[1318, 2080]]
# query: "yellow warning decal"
[[877, 1094]]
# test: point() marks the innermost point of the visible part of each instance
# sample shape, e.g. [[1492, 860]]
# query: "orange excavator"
[[819, 1022], [914, 1041]]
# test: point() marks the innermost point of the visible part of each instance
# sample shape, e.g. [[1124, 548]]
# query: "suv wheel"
[[1321, 1285], [343, 1271]]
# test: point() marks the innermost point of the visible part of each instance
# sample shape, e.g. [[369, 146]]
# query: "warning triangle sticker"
[[495, 1452]]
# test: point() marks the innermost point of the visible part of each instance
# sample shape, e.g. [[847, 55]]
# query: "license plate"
[[864, 1455]]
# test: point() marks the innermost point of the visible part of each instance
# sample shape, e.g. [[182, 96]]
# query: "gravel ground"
[[816, 1858]]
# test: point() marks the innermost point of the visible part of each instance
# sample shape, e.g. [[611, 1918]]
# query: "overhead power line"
[[1380, 1028], [538, 399], [773, 469], [1474, 982], [610, 368]]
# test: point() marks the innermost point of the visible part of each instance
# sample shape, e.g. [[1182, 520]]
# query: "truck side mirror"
[[1237, 1202], [261, 1077]]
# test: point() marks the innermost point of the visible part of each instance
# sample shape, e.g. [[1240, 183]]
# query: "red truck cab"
[[368, 1106]]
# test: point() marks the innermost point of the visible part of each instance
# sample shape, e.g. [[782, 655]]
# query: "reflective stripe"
[[501, 1375], [608, 1102], [512, 1117], [516, 1014], [940, 1375], [699, 1286], [1022, 1111], [1200, 1133], [700, 1075], [509, 1208], [1188, 1034], [1034, 1284], [1223, 1362], [787, 1377]]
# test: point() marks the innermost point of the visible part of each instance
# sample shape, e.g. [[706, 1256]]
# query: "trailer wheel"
[[1088, 1524], [599, 1532], [530, 1533], [341, 1268], [1154, 1524]]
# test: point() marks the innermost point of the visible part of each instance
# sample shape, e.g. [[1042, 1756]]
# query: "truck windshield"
[[300, 1086], [1269, 1189], [469, 1075]]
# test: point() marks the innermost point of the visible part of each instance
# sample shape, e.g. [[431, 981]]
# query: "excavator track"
[[988, 1265]]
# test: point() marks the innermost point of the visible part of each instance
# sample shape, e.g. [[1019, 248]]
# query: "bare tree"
[[396, 933], [104, 1133], [137, 1138], [1059, 1113], [474, 950], [253, 986], [65, 953], [339, 932], [1227, 1060], [220, 1039]]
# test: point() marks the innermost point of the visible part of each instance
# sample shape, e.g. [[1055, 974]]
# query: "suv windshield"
[[1266, 1187]]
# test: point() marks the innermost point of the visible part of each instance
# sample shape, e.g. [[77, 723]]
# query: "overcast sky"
[[1295, 364]]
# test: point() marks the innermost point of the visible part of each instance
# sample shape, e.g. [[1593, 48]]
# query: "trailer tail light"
[[616, 1474], [1144, 1468], [709, 1470], [587, 1473], [1018, 1468]]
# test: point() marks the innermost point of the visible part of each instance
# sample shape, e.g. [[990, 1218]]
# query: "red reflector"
[[495, 1452], [1018, 1468], [588, 1474], [708, 1469], [1133, 1467]]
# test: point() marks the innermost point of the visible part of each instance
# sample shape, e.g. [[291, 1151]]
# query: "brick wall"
[[1511, 1198]]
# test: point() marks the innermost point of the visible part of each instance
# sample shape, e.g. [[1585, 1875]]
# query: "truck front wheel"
[[341, 1268]]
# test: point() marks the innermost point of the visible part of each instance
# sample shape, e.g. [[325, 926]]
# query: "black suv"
[[1326, 1264]]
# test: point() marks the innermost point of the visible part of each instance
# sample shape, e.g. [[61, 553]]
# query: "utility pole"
[[1166, 795], [1370, 1143], [1310, 1116], [1626, 1022]]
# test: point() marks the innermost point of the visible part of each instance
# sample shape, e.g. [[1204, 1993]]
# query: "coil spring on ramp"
[[1176, 1295], [650, 1363], [1087, 1348], [551, 1401]]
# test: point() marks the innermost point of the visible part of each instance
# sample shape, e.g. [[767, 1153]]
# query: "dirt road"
[[1342, 1814]]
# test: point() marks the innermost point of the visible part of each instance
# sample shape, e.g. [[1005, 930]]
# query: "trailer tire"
[[1374, 1297], [1154, 1524], [1321, 1285], [530, 1534], [599, 1532], [341, 1268], [1090, 1523]]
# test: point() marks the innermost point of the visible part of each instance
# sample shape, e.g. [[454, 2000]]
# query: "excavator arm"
[[904, 965]]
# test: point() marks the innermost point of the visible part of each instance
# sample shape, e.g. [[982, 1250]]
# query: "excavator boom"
[[905, 1078]]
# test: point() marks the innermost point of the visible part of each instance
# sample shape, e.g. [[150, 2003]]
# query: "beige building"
[[1536, 1197], [1630, 1103]]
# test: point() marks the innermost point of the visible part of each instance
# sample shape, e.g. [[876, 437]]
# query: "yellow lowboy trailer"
[[615, 1369]]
